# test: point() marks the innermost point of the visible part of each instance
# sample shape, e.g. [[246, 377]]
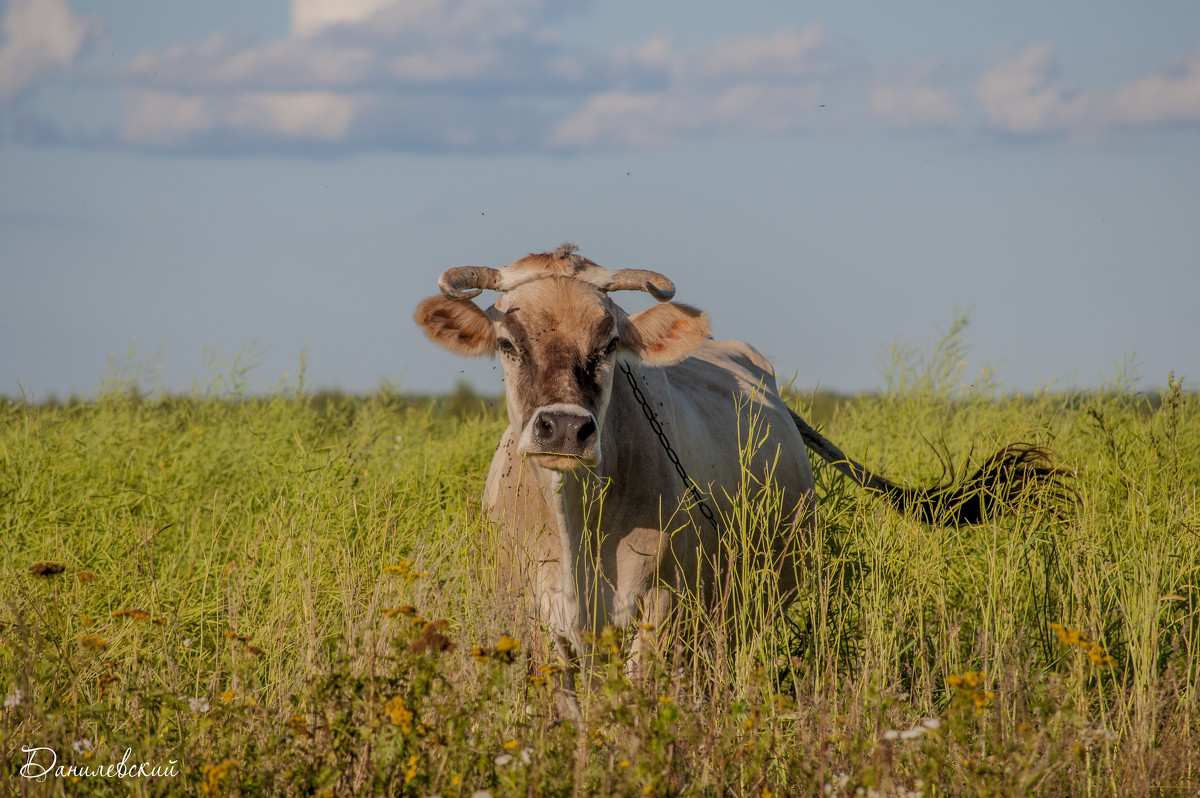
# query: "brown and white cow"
[[577, 434]]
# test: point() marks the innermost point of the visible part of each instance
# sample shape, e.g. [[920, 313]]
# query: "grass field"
[[280, 596]]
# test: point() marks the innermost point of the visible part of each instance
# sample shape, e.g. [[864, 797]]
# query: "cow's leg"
[[566, 700], [648, 644]]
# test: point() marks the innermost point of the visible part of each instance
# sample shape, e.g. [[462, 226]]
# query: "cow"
[[595, 521]]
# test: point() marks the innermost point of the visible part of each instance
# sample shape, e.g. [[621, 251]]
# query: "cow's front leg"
[[566, 699], [649, 644]]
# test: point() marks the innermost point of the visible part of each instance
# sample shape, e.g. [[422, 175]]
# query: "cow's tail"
[[995, 486]]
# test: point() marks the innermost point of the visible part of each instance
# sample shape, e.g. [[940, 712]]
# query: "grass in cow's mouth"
[[299, 601]]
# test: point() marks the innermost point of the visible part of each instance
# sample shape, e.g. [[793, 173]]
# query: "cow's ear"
[[666, 334], [457, 325]]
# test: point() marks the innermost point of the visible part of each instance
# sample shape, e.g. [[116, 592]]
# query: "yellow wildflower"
[[299, 725], [228, 695], [967, 685], [94, 642], [982, 698], [1072, 637], [970, 680], [402, 567], [411, 772], [214, 775], [400, 715], [507, 648], [1097, 655]]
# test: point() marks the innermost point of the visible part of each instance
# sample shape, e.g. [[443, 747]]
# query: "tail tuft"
[[996, 487]]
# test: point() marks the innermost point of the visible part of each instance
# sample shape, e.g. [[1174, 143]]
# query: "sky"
[[190, 189]]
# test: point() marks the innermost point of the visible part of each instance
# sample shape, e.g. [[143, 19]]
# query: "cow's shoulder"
[[726, 364]]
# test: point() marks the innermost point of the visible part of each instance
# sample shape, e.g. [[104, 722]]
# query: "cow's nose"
[[559, 432]]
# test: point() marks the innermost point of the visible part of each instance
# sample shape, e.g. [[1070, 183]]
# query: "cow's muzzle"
[[562, 437]]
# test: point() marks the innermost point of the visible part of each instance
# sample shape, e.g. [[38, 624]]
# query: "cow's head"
[[559, 336]]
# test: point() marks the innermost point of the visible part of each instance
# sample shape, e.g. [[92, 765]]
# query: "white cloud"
[[224, 62], [414, 20], [907, 98], [766, 84], [496, 75], [787, 53], [1169, 97], [623, 119], [41, 37], [1023, 96], [310, 17], [616, 118], [163, 119]]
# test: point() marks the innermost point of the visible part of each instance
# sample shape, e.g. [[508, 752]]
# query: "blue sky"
[[825, 179]]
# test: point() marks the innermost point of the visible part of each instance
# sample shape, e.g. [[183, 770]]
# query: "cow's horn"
[[464, 282], [652, 283]]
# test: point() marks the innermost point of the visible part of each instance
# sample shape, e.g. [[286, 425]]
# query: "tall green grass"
[[254, 590]]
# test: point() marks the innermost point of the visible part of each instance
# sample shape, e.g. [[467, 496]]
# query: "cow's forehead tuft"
[[558, 303]]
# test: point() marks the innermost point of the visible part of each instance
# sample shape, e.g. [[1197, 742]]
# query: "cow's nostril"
[[586, 431], [544, 427]]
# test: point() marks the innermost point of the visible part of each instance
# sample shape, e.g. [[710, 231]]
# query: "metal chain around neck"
[[656, 426]]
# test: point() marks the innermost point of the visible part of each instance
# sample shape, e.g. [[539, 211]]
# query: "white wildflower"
[[82, 746], [503, 760], [199, 704], [13, 699]]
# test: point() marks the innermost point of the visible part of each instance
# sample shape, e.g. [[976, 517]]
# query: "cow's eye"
[[506, 347], [610, 348]]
